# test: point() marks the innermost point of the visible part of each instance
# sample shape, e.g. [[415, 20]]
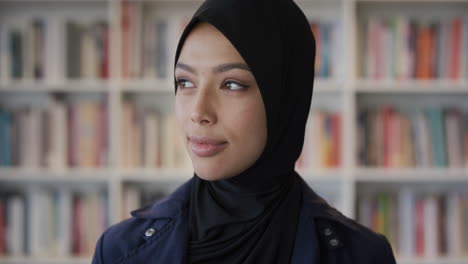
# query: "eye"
[[183, 83], [232, 85]]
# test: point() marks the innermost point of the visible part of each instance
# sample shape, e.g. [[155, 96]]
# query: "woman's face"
[[218, 105]]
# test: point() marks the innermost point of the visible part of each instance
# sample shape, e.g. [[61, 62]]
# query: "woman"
[[244, 77]]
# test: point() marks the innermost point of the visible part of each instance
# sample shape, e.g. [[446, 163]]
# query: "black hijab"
[[252, 217]]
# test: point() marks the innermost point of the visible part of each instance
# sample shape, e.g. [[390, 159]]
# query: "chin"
[[210, 174]]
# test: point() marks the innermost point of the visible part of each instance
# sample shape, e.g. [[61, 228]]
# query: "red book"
[[105, 57], [419, 228], [71, 114], [425, 52], [396, 141], [125, 23], [336, 130], [77, 227], [455, 49]]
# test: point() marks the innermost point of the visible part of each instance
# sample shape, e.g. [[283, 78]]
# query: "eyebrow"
[[217, 69]]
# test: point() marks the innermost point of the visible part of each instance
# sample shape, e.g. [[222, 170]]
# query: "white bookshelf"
[[346, 93]]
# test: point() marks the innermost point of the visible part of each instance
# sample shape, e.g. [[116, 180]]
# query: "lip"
[[206, 147]]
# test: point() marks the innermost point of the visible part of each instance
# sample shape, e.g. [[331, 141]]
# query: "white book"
[[48, 223], [454, 229], [337, 51], [402, 51], [454, 141], [5, 66], [81, 222], [63, 228], [447, 61], [15, 231], [57, 149], [34, 225], [36, 134], [406, 219], [87, 120], [388, 50], [30, 138], [89, 57], [54, 50], [40, 233]]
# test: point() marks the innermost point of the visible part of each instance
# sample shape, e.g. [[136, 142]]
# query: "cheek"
[[180, 112], [248, 124]]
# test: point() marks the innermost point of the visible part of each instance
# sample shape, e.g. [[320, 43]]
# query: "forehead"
[[206, 45]]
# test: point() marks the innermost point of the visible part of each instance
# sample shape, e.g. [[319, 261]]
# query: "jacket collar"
[[317, 207], [170, 206]]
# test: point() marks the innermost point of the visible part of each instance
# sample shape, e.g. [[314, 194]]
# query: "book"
[[87, 49], [405, 48], [323, 129], [417, 223], [15, 226], [410, 138]]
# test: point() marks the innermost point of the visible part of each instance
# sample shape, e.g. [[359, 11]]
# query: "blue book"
[[436, 128], [325, 30], [5, 139]]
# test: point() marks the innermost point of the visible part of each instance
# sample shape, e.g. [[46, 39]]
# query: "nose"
[[203, 112]]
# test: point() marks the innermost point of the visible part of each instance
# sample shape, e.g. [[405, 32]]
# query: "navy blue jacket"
[[158, 233]]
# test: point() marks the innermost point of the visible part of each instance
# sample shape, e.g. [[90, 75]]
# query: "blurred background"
[[88, 133]]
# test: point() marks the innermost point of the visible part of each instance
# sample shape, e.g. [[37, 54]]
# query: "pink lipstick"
[[206, 147]]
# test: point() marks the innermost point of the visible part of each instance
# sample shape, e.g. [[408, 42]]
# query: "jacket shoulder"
[[147, 224], [361, 243], [122, 239]]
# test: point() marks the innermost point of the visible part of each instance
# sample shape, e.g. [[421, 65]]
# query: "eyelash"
[[179, 86]]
